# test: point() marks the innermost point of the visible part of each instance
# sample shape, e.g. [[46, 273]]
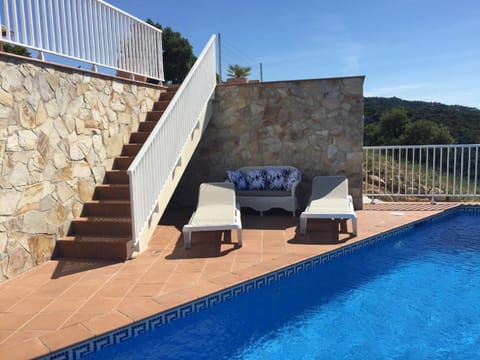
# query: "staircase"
[[104, 229]]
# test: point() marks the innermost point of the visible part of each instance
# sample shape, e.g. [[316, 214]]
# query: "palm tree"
[[237, 71]]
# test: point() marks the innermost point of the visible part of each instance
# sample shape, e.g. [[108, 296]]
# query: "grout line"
[[261, 246], [18, 329], [91, 296], [136, 281]]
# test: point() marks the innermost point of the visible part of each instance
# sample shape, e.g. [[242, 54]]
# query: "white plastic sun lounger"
[[216, 210], [329, 200]]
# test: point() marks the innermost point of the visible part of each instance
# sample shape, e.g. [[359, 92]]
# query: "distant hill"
[[462, 122]]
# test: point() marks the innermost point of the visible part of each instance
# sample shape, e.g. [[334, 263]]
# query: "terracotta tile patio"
[[63, 302]]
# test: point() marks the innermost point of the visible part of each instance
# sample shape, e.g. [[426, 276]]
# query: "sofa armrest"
[[294, 187]]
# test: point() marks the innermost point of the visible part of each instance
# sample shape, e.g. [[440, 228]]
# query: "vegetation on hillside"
[[178, 55], [393, 121]]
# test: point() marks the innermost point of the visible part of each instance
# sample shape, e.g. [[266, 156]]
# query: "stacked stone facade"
[[314, 125], [60, 129]]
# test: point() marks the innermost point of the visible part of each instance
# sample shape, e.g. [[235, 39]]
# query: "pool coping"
[[120, 335]]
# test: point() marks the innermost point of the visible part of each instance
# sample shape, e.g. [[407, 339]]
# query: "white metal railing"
[[159, 156], [422, 171], [91, 31]]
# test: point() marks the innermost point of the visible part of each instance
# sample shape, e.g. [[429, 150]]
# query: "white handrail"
[[159, 156], [91, 31], [421, 171]]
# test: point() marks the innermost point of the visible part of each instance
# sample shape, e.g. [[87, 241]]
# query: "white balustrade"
[[159, 156], [91, 31], [421, 171]]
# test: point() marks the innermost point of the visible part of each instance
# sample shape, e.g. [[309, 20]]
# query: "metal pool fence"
[[435, 171]]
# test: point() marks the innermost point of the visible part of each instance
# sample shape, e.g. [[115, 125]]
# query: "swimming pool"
[[414, 295]]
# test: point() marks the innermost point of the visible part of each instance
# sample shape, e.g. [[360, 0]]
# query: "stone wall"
[[60, 129], [315, 125]]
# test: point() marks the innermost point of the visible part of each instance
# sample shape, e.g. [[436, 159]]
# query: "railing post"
[[433, 176]]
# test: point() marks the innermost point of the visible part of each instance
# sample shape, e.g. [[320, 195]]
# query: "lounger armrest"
[[191, 218], [350, 201]]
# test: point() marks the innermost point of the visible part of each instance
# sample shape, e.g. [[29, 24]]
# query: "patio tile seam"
[[19, 329], [90, 297], [170, 275]]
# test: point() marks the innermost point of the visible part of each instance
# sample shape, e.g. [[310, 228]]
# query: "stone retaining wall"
[[60, 129], [315, 125]]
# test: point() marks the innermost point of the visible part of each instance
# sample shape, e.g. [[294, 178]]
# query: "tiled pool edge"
[[98, 343]]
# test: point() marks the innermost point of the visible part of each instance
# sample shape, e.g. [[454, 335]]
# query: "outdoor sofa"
[[266, 187]]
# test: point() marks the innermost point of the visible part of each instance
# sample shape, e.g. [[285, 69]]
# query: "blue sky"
[[413, 49]]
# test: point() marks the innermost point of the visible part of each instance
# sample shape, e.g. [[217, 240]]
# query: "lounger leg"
[[187, 239], [354, 224], [303, 225], [239, 237]]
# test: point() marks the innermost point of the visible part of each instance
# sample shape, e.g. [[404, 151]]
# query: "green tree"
[[237, 71], [461, 121], [16, 49], [178, 56], [391, 126], [395, 127], [426, 132], [371, 135]]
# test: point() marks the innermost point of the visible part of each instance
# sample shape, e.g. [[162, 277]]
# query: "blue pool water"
[[414, 296]]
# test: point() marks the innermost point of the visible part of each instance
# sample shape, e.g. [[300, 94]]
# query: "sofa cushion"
[[272, 193], [256, 179], [293, 177], [237, 178], [276, 178]]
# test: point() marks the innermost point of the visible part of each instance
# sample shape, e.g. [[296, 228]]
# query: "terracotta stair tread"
[[122, 162], [101, 226], [112, 192], [94, 247], [132, 149], [112, 186], [103, 219], [107, 202], [138, 137], [146, 126], [160, 105], [107, 208], [168, 95], [116, 176], [154, 115], [99, 239]]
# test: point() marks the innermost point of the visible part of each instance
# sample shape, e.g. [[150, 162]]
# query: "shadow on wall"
[[314, 125]]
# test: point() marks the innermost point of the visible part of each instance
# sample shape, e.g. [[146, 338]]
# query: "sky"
[[426, 50]]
